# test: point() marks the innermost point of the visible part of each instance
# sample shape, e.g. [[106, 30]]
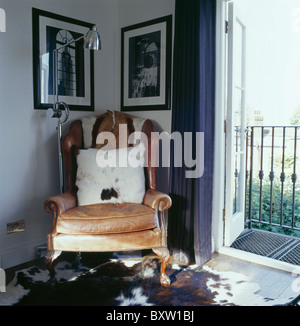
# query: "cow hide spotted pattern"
[[107, 170], [133, 283], [110, 184]]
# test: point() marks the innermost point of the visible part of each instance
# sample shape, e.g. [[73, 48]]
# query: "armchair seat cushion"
[[106, 219]]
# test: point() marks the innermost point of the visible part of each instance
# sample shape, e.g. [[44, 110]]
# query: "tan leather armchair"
[[108, 227]]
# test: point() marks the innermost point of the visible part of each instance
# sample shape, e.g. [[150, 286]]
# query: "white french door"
[[235, 126]]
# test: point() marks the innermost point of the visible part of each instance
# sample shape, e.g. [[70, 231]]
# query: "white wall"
[[28, 161], [28, 143], [137, 11]]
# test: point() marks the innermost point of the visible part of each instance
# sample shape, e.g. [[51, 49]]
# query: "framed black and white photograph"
[[75, 65], [146, 65]]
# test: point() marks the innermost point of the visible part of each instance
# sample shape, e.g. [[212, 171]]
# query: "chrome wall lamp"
[[92, 41]]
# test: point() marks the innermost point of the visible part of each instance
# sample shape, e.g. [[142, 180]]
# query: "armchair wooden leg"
[[49, 258], [165, 256]]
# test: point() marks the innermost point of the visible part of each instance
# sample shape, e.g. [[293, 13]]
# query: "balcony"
[[272, 201]]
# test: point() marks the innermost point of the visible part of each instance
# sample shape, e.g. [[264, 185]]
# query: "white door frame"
[[219, 166], [219, 157], [235, 153]]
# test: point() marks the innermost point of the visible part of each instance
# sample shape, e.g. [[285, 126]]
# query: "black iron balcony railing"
[[272, 187]]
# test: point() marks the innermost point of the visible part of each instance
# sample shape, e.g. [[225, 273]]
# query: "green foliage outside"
[[279, 214]]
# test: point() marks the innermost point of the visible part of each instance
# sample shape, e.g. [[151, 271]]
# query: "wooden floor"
[[273, 283]]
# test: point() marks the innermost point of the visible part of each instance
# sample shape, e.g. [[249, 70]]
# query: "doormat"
[[271, 245], [133, 283]]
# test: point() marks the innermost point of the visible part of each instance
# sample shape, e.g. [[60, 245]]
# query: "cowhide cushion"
[[123, 183], [108, 122]]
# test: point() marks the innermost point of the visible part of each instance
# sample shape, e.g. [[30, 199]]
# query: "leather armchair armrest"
[[56, 205], [157, 200]]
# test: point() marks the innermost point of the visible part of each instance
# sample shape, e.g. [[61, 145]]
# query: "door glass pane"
[[236, 185], [238, 48], [237, 119], [238, 150]]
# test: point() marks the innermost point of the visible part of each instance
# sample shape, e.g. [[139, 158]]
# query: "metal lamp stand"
[[92, 42]]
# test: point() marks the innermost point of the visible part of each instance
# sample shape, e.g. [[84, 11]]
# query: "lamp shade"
[[92, 40]]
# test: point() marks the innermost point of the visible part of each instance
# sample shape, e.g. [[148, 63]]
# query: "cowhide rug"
[[132, 283]]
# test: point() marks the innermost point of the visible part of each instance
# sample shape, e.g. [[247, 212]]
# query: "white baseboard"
[[20, 255]]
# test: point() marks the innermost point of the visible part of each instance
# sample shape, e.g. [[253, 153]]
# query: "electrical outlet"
[[17, 226]]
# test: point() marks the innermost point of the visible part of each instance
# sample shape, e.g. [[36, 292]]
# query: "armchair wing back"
[[112, 223]]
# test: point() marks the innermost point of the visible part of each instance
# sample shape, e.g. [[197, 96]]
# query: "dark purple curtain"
[[190, 218]]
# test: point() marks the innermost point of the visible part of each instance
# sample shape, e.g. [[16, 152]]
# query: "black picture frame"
[[79, 96], [146, 56]]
